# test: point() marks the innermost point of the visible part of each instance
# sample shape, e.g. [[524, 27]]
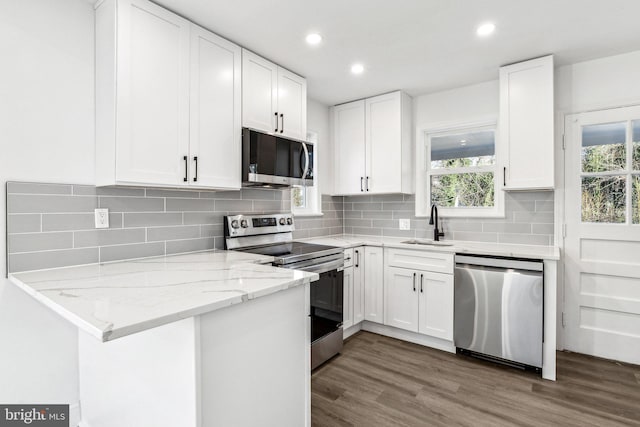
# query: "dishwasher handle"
[[516, 264]]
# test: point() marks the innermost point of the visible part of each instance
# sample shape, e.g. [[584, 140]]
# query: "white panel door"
[[358, 285], [383, 148], [401, 298], [347, 302], [436, 304], [526, 123], [602, 243], [349, 148], [259, 93], [153, 95], [216, 128], [292, 105], [373, 284]]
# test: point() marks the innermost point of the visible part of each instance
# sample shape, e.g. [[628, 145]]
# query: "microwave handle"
[[306, 161]]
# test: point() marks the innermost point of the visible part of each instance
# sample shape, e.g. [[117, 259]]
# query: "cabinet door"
[[347, 304], [436, 304], [259, 93], [349, 148], [526, 124], [401, 298], [358, 285], [292, 105], [152, 95], [383, 148], [215, 137], [373, 284]]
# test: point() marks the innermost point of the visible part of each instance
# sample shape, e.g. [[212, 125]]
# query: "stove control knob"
[[234, 224], [289, 221], [282, 221], [244, 223]]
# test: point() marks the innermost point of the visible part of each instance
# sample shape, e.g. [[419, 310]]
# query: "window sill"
[[307, 214]]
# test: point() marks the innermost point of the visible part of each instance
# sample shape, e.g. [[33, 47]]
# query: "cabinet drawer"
[[348, 257], [420, 260]]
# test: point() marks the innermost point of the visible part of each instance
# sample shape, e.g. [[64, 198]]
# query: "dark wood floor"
[[380, 381]]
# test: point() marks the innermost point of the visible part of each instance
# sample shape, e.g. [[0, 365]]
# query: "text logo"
[[34, 415]]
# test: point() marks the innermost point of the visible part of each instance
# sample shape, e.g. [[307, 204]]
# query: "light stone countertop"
[[480, 248], [112, 300]]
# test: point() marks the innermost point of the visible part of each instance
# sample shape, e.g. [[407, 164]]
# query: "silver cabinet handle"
[[414, 281], [361, 183], [421, 282], [306, 159], [367, 183], [357, 259]]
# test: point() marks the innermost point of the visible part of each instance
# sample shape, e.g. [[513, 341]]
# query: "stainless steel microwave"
[[269, 160]]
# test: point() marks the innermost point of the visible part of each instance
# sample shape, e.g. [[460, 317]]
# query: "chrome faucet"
[[436, 233]]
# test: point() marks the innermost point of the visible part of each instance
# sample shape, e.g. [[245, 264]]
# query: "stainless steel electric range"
[[272, 234]]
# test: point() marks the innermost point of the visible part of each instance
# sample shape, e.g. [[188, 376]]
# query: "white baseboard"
[[403, 335], [351, 330]]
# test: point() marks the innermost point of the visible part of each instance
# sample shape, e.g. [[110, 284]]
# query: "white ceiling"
[[420, 46]]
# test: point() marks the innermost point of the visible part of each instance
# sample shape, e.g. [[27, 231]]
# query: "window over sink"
[[458, 169]]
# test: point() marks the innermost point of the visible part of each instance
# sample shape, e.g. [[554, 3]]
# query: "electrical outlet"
[[405, 224], [102, 218]]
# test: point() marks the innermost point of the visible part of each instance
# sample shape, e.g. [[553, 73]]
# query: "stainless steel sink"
[[427, 242]]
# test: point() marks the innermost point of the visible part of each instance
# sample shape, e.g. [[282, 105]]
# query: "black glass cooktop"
[[285, 252]]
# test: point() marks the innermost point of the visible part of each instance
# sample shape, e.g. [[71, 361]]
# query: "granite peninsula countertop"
[[479, 248], [112, 300]]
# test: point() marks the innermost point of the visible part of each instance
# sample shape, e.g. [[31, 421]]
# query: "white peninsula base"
[[244, 365]]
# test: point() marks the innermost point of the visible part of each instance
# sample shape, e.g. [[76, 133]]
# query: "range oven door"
[[273, 160], [326, 317], [326, 309]]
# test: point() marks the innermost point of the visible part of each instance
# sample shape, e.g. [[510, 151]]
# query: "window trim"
[[424, 134]]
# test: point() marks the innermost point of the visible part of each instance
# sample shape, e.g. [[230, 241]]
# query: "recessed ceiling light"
[[314, 39], [486, 29], [357, 68]]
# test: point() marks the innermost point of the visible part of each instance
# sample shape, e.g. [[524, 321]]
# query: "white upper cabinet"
[[259, 93], [349, 141], [167, 92], [215, 110], [372, 145], [526, 124], [274, 100]]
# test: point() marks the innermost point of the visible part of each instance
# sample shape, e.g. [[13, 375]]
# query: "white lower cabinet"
[[353, 302], [373, 284], [435, 308], [418, 300], [347, 301]]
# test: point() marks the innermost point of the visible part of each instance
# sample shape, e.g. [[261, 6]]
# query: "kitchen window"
[[457, 171], [305, 200]]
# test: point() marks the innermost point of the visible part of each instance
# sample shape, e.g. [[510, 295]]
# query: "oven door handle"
[[336, 264]]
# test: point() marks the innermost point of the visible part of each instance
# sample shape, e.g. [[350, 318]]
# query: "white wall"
[[46, 134], [318, 121], [598, 84], [462, 104]]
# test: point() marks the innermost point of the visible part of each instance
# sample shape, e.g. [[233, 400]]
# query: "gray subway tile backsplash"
[[24, 223], [51, 259], [139, 250], [108, 237], [52, 225], [528, 219]]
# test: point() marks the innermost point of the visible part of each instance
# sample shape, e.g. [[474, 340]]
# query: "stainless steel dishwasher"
[[498, 309]]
